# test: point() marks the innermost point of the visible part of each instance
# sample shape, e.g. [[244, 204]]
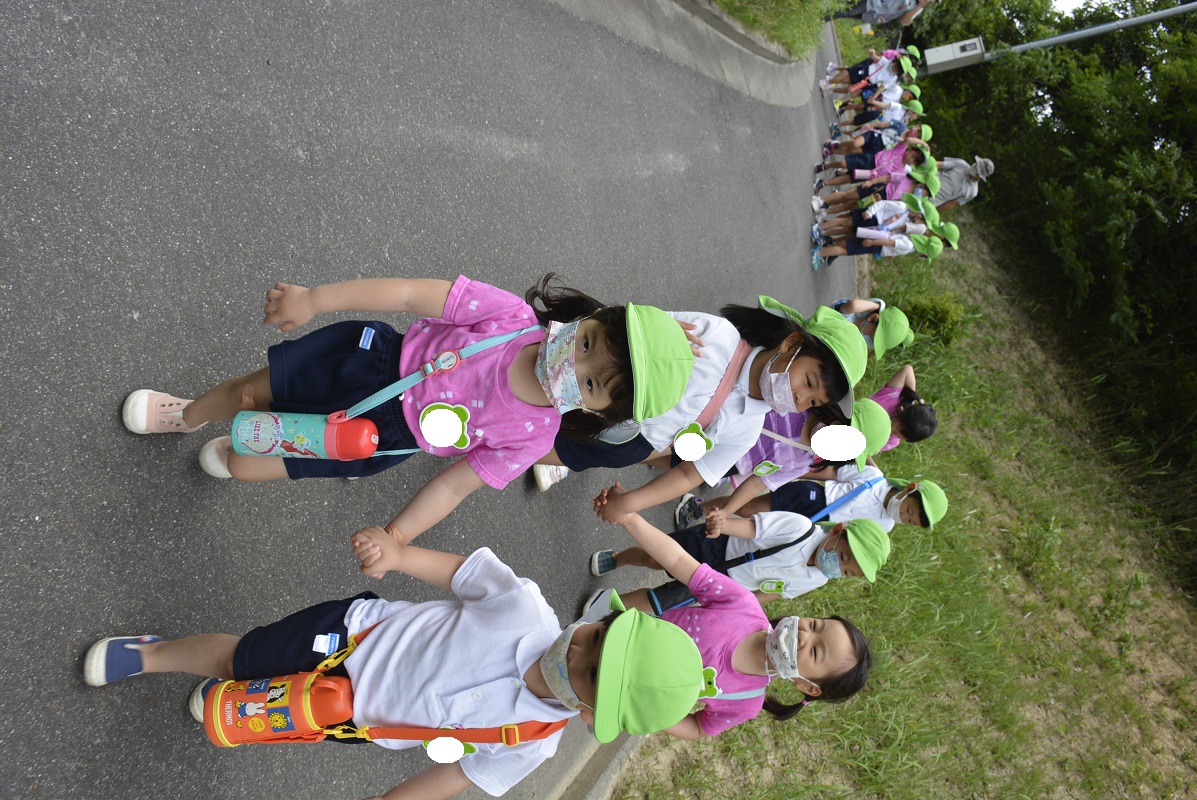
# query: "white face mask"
[[894, 506], [555, 367], [781, 651], [775, 386], [554, 668]]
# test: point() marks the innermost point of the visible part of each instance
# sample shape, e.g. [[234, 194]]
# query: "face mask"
[[868, 340], [781, 651], [894, 506], [775, 386], [828, 561], [555, 367], [554, 668]]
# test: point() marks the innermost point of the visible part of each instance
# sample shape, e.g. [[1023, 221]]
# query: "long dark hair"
[[836, 689], [761, 329], [554, 302], [916, 417]]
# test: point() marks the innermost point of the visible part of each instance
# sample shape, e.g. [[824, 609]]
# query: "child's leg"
[[245, 393], [638, 600], [635, 557], [206, 655]]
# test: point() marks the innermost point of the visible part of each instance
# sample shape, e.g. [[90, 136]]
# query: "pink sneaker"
[[148, 411]]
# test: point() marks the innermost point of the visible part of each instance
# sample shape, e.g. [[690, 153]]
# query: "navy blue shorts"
[[858, 218], [583, 455], [866, 116], [800, 497], [327, 370], [285, 647], [857, 247], [695, 542], [858, 72], [860, 161]]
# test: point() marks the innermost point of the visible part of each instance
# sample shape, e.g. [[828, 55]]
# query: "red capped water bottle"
[[271, 433]]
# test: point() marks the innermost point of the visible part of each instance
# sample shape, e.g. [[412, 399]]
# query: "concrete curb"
[[733, 29], [595, 779]]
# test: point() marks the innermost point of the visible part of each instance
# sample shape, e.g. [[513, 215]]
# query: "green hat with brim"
[[893, 328], [872, 420], [925, 132], [907, 66], [913, 105], [922, 205], [949, 231], [915, 52], [842, 337], [661, 361], [870, 546], [935, 502], [914, 89], [649, 675], [908, 339], [930, 246]]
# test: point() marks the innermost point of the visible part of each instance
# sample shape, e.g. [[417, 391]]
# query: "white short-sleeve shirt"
[[786, 569], [869, 504], [459, 663]]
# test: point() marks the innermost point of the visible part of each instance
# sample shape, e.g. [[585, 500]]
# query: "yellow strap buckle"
[[511, 735]]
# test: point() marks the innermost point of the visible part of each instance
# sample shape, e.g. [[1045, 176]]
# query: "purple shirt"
[[888, 399], [505, 434], [794, 463], [727, 612]]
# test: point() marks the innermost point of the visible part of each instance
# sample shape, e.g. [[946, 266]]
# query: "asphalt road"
[[163, 164]]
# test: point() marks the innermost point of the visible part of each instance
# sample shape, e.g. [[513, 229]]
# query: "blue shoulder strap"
[[827, 511], [445, 362]]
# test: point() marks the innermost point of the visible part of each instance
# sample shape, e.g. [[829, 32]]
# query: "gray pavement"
[[164, 164]]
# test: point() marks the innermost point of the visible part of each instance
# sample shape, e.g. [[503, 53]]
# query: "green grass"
[[1030, 646], [798, 26]]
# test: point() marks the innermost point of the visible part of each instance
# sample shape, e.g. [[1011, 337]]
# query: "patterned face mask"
[[775, 386], [781, 651], [555, 367], [828, 561], [554, 667]]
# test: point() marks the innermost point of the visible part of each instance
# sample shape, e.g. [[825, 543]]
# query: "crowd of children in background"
[[894, 188], [559, 380]]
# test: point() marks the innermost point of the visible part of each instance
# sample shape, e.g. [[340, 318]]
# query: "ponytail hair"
[[761, 329], [916, 417], [552, 301], [836, 689]]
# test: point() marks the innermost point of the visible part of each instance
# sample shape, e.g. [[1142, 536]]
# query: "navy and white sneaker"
[[816, 235], [688, 512], [195, 703], [114, 659], [816, 260], [834, 127], [602, 562]]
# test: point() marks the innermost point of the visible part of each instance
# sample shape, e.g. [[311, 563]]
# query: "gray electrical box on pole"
[[954, 55]]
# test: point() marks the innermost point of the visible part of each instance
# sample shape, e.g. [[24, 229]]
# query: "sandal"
[[147, 411]]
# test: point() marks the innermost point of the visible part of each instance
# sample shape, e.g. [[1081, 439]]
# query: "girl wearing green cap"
[[502, 376], [787, 363], [913, 418]]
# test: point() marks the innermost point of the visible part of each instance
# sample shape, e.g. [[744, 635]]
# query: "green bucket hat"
[[893, 329], [661, 361], [907, 66], [930, 246], [926, 131], [841, 337], [922, 205], [649, 675], [949, 231], [913, 89], [873, 421], [870, 546], [913, 105], [914, 52], [935, 502]]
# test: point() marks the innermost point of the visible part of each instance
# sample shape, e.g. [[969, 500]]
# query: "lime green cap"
[[893, 327], [949, 231], [925, 131], [907, 65], [914, 51], [913, 105], [913, 88], [649, 675], [872, 420], [870, 546], [661, 361], [930, 246]]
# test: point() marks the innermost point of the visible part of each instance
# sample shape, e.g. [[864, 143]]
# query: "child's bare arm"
[[380, 554], [673, 484], [718, 524], [439, 782], [662, 549], [857, 304], [435, 501], [750, 488], [903, 379], [687, 728], [289, 306]]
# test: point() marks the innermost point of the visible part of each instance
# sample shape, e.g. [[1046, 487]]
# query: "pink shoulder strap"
[[725, 386]]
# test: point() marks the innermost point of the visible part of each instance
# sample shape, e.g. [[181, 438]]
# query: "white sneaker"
[[548, 474], [831, 70], [195, 703], [214, 457], [597, 606]]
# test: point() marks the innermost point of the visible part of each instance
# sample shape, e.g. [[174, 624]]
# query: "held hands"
[[609, 505], [289, 306], [377, 551], [716, 520]]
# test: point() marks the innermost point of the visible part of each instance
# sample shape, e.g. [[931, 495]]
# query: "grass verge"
[[1031, 647]]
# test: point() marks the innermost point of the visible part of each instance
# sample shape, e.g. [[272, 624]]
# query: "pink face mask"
[[775, 386]]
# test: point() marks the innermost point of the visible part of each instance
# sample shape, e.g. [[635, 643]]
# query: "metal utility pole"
[[1097, 30]]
